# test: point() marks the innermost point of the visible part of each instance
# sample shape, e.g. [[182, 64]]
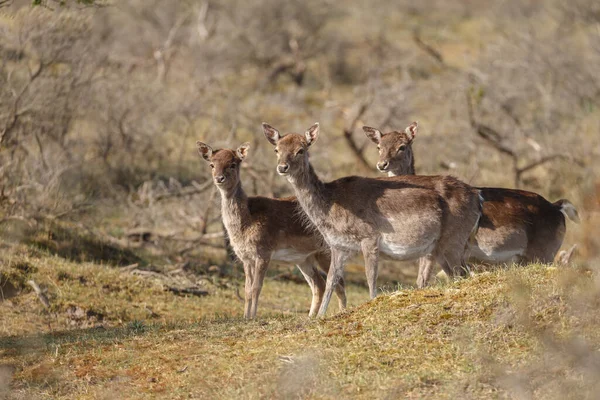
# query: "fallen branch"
[[146, 273], [39, 293], [184, 291]]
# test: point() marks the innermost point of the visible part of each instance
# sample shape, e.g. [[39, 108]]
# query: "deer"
[[516, 226], [262, 229], [403, 217]]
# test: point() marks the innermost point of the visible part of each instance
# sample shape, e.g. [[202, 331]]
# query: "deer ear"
[[242, 151], [312, 134], [373, 134], [204, 150], [411, 130], [271, 133]]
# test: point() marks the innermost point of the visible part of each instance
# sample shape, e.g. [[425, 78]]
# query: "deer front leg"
[[324, 261], [370, 250], [260, 269], [334, 276], [316, 283], [425, 268], [248, 273]]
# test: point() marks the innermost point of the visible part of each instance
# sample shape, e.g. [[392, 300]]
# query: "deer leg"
[[316, 283], [370, 250], [334, 276], [425, 268], [340, 291], [260, 270], [453, 264], [248, 272], [324, 260]]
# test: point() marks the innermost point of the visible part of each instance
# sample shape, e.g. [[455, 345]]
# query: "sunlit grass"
[[455, 339]]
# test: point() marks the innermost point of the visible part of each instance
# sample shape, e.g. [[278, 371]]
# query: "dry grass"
[[521, 332]]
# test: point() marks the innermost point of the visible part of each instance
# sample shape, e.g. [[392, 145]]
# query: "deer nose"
[[220, 178], [283, 168], [382, 166]]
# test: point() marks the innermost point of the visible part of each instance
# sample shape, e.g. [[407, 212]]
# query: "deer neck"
[[234, 210], [311, 195], [406, 168]]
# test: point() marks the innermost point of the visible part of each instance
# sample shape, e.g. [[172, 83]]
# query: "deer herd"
[[404, 216]]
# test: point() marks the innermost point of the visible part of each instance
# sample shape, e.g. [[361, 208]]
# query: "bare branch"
[[436, 55], [549, 158], [490, 135], [349, 130], [195, 188]]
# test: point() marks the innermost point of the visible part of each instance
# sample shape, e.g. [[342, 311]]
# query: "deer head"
[[225, 164], [395, 148], [291, 149]]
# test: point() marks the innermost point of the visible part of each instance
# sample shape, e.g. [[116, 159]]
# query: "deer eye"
[[212, 165], [378, 147], [276, 151], [232, 166], [402, 148], [300, 152]]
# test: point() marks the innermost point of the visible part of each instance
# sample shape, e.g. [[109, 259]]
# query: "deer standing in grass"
[[404, 217], [262, 229], [516, 225]]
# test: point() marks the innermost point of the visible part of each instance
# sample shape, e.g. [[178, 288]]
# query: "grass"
[[528, 332]]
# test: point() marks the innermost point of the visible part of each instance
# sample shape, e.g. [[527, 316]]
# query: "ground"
[[513, 332]]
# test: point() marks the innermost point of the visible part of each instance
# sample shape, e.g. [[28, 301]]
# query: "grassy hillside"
[[110, 334]]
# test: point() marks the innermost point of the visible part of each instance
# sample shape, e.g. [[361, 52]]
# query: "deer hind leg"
[[316, 283], [370, 250], [425, 269], [248, 272], [453, 262], [544, 246], [334, 276], [260, 270], [324, 260]]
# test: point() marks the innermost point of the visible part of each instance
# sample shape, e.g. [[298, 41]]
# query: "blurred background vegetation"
[[101, 103]]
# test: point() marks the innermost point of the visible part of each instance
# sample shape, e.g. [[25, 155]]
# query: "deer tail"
[[568, 209]]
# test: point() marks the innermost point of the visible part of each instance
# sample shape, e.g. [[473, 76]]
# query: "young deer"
[[262, 229], [516, 225], [404, 217]]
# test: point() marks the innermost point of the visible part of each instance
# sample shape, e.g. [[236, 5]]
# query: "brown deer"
[[262, 229], [404, 217], [516, 225]]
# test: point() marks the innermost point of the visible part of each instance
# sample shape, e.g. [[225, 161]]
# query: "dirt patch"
[[77, 316]]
